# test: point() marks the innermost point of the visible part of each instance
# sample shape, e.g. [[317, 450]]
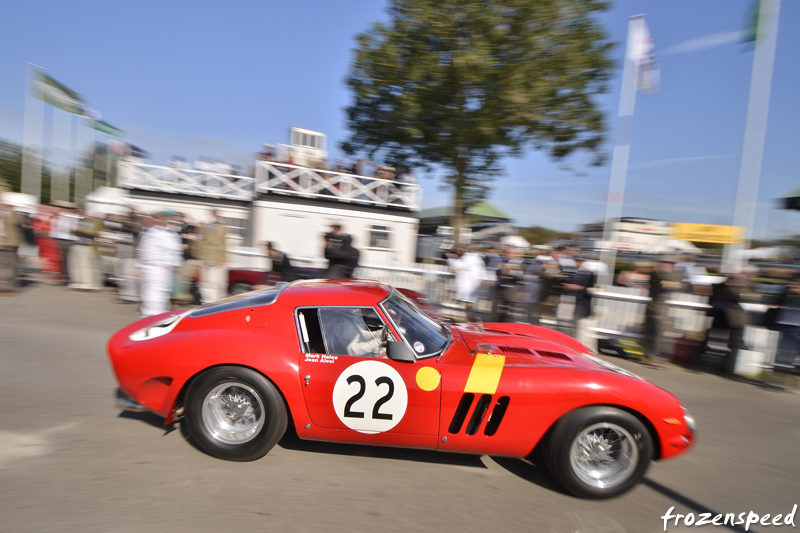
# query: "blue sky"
[[219, 79]]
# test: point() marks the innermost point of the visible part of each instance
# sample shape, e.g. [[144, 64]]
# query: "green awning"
[[483, 210]]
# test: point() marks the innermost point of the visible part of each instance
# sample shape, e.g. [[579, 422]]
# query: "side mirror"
[[399, 351]]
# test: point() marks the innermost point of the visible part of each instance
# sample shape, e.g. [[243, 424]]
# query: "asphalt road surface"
[[70, 462]]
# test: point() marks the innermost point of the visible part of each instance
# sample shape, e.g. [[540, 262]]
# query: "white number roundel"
[[370, 397]]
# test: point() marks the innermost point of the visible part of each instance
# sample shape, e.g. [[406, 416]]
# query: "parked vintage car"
[[359, 362]]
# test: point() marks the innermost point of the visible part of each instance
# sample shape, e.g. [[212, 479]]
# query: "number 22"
[[376, 414]]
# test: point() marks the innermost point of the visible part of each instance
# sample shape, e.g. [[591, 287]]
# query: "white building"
[[291, 205], [630, 234]]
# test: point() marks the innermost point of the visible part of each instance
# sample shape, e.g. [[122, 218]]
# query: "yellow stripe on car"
[[485, 373]]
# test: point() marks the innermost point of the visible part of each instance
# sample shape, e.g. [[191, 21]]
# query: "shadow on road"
[[291, 441], [691, 504], [533, 473], [149, 418]]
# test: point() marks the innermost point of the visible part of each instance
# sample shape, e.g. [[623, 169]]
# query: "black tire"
[[599, 452], [240, 287], [235, 413]]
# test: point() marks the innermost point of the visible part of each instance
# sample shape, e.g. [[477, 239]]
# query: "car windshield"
[[425, 336]]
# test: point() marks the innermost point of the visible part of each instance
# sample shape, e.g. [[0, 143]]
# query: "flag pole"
[[755, 132], [32, 138], [619, 161]]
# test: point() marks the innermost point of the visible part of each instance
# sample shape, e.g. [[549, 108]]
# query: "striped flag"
[[758, 17], [105, 127], [642, 52], [54, 93]]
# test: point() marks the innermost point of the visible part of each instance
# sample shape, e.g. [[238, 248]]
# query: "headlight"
[[162, 327], [689, 419], [608, 366]]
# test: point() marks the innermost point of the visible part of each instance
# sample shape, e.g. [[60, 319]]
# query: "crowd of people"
[[164, 257], [530, 288], [152, 259]]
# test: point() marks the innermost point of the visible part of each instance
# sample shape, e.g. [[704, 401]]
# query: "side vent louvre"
[[554, 355], [495, 331], [497, 416], [478, 414], [461, 413], [482, 406], [515, 350]]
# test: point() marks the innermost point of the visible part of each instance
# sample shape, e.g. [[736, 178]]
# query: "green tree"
[[463, 83], [10, 166], [540, 235]]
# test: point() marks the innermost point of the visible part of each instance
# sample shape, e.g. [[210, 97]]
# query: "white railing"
[[294, 180], [133, 175]]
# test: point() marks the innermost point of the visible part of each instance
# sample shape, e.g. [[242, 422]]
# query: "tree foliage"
[[10, 166], [541, 235], [462, 83]]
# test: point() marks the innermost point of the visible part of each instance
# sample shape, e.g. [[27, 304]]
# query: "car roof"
[[334, 292]]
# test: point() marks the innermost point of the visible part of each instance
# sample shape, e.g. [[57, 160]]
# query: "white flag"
[[642, 52]]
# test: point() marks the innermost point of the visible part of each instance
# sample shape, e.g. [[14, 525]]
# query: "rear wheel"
[[235, 413], [599, 452]]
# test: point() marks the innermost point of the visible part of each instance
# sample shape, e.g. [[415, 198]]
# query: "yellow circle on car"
[[428, 378]]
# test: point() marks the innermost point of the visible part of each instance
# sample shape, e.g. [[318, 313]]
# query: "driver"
[[353, 336]]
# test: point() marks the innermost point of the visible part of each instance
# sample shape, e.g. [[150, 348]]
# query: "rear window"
[[241, 301]]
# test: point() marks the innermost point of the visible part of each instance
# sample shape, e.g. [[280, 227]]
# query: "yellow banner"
[[707, 233]]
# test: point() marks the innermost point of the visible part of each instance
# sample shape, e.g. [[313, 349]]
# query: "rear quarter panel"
[[155, 371]]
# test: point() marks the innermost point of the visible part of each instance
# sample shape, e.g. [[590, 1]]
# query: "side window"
[[354, 331], [310, 331]]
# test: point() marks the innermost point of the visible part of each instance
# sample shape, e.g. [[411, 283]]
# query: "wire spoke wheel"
[[599, 452], [604, 455], [233, 413]]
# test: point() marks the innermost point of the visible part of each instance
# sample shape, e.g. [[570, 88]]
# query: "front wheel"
[[599, 452], [235, 413]]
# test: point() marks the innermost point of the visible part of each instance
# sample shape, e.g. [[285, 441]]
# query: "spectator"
[[281, 264], [729, 316], [579, 286], [787, 322], [84, 254], [470, 271], [663, 279], [534, 290], [49, 251], [63, 231], [10, 239], [510, 289], [130, 226], [159, 256], [341, 255]]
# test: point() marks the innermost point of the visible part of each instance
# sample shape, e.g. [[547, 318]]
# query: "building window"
[[236, 226], [379, 237]]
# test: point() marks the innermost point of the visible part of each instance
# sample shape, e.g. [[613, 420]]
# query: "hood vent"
[[554, 355], [515, 350]]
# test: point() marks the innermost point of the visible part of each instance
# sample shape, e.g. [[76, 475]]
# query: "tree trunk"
[[457, 216]]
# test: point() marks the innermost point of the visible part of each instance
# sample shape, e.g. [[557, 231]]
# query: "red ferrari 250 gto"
[[359, 362]]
